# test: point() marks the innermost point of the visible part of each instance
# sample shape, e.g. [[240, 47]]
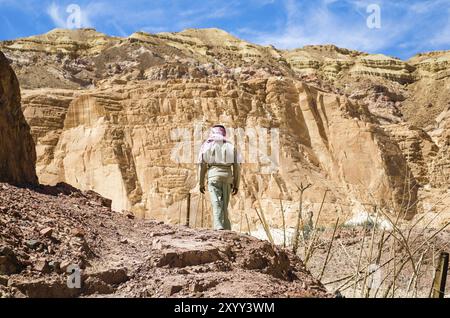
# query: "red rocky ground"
[[44, 230]]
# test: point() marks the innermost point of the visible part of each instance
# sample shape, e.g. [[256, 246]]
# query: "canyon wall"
[[122, 141], [17, 150], [109, 114]]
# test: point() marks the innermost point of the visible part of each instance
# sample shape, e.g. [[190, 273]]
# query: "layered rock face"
[[123, 141], [333, 63], [45, 111], [17, 151], [429, 95], [112, 115], [441, 133], [81, 58]]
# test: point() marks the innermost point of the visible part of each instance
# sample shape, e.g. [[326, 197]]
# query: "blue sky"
[[405, 27]]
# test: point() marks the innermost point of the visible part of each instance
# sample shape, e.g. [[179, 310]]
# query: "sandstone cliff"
[[117, 139], [366, 127], [17, 150]]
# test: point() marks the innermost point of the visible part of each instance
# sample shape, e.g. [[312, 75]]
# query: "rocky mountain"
[[108, 114]]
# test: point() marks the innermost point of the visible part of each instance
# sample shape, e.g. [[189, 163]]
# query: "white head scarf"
[[217, 139]]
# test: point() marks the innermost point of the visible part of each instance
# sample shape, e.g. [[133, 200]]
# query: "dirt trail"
[[45, 230]]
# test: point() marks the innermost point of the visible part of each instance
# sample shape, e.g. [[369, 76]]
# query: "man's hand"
[[202, 189], [235, 191]]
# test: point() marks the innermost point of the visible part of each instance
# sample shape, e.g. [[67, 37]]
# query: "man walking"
[[220, 162]]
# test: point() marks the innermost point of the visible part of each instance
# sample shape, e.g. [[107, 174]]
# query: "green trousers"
[[220, 197]]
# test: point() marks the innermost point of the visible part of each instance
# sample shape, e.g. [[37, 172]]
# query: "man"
[[220, 161]]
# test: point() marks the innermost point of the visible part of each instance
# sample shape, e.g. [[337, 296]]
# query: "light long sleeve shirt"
[[220, 163]]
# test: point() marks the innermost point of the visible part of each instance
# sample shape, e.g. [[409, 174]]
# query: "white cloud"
[[319, 25], [328, 22], [53, 12], [442, 38]]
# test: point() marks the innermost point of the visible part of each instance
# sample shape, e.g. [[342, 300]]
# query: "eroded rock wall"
[[366, 127], [17, 149], [119, 141]]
